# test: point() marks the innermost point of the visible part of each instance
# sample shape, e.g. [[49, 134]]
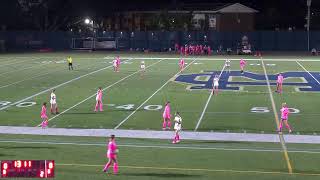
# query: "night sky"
[[272, 13]]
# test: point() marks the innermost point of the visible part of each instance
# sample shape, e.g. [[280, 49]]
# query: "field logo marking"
[[200, 81], [276, 118], [93, 95], [209, 98], [124, 120]]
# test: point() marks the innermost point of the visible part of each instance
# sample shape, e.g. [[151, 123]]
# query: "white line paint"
[[54, 87], [18, 70], [146, 145], [16, 61], [124, 120], [207, 103], [32, 77], [93, 95], [308, 72], [282, 141]]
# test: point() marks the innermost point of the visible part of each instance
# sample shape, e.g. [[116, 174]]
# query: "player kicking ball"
[[284, 118], [112, 155], [228, 65], [99, 100], [215, 83], [242, 65], [166, 117], [53, 103], [279, 83], [44, 116], [177, 128]]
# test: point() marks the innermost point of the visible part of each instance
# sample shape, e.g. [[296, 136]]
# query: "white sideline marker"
[[207, 103], [55, 87], [123, 121], [95, 93]]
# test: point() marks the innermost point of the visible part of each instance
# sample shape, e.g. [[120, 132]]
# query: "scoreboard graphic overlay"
[[27, 168]]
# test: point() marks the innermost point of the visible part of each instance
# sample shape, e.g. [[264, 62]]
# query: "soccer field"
[[246, 103]]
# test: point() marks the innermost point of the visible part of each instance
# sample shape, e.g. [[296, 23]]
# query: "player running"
[[242, 65], [181, 64], [53, 103], [69, 59], [279, 83], [177, 128], [99, 100], [284, 118], [112, 155], [228, 65], [166, 117], [215, 84], [44, 116]]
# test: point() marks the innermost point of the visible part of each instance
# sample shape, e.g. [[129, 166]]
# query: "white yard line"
[[146, 145], [207, 103], [93, 95], [124, 120], [16, 61], [18, 70], [32, 77], [39, 75], [308, 72], [55, 87], [276, 117]]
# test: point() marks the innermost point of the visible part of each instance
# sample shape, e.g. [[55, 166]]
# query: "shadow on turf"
[[161, 175]]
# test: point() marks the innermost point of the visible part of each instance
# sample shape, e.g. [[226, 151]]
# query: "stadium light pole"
[[308, 23], [90, 22]]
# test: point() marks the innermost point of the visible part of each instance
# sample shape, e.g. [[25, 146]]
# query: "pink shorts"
[[166, 117], [279, 82], [242, 66], [284, 119], [111, 156], [44, 117]]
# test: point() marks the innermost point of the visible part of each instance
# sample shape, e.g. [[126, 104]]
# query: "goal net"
[[97, 43]]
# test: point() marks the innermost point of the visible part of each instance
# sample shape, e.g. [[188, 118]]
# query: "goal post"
[[94, 43]]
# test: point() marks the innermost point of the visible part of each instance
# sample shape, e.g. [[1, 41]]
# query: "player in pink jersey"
[[242, 64], [186, 50], [99, 100], [44, 116], [182, 50], [166, 117], [284, 118], [181, 64], [279, 83], [118, 62], [112, 155], [209, 50]]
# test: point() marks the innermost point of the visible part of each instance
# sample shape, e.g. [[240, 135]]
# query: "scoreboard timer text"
[[27, 168]]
